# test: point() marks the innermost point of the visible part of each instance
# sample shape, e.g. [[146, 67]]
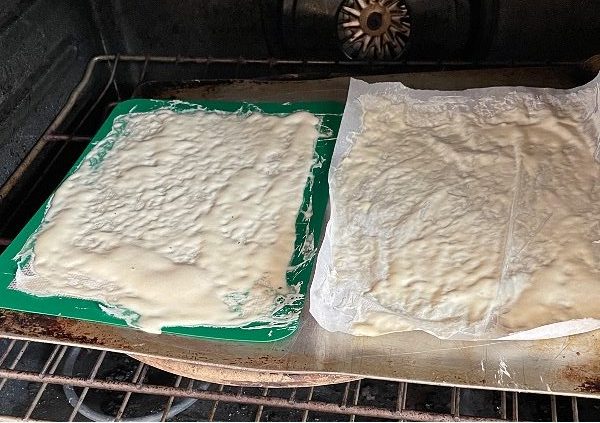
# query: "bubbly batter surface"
[[182, 218], [460, 220]]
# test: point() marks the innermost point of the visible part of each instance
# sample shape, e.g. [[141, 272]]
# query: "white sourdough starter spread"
[[188, 220], [456, 218]]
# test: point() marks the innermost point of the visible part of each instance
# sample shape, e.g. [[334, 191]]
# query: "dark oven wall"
[[219, 28], [46, 44], [500, 30], [44, 48]]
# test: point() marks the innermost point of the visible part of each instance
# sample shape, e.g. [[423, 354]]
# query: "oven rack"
[[46, 369]]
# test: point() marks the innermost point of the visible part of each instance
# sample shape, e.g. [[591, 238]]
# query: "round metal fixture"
[[373, 29]]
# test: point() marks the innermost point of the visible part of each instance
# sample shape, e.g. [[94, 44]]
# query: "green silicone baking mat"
[[317, 193]]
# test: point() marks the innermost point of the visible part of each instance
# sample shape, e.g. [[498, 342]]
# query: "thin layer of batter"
[[462, 221], [184, 219]]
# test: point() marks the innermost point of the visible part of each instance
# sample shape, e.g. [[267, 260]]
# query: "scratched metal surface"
[[568, 365]]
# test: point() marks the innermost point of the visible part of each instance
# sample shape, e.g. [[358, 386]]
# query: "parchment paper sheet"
[[325, 299]]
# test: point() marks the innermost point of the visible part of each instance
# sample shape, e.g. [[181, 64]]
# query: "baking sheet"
[[325, 299], [315, 196], [567, 366]]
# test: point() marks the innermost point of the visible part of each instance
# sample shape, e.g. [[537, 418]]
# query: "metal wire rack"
[[59, 382]]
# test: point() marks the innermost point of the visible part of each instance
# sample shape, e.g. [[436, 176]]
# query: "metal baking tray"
[[568, 365]]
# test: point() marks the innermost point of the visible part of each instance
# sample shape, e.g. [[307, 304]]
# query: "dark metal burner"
[[374, 21]]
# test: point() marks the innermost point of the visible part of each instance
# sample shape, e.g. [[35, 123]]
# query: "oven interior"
[[65, 65]]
